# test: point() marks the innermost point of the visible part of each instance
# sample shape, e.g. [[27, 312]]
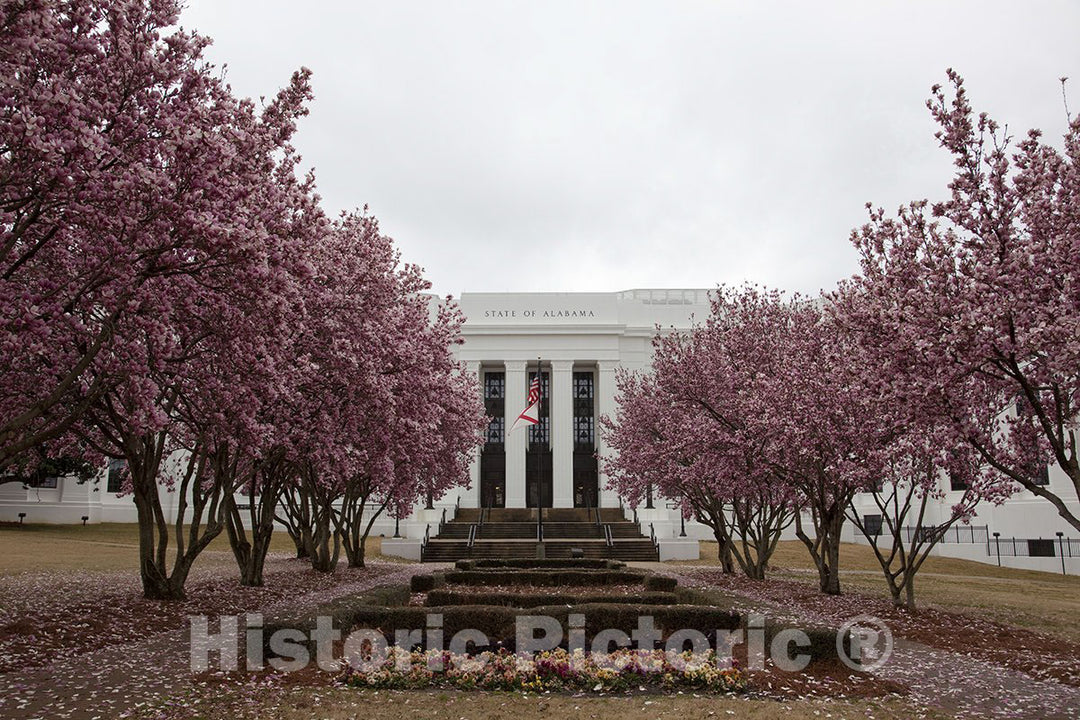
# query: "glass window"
[[495, 408], [584, 389], [117, 472], [1042, 475], [540, 434]]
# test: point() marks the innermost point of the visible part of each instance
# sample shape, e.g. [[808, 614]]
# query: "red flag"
[[531, 414]]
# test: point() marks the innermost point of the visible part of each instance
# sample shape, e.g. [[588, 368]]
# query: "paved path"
[[964, 686], [118, 679]]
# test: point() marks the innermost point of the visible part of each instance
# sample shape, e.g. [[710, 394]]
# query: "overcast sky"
[[540, 146]]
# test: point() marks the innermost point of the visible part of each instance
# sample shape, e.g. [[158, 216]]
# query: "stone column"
[[516, 394], [562, 435], [605, 405], [471, 497]]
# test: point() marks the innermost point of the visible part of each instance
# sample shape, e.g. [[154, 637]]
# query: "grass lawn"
[[112, 546], [1046, 602]]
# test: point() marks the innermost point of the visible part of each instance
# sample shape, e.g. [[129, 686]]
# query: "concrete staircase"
[[512, 533]]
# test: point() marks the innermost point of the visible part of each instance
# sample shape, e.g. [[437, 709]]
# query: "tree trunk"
[[910, 582], [357, 558], [825, 547]]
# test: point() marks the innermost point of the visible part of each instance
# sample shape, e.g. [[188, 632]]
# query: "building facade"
[[579, 340]]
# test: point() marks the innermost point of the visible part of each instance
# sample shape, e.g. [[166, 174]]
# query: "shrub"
[[532, 564], [660, 583], [544, 577], [343, 611], [528, 600], [822, 641], [424, 583]]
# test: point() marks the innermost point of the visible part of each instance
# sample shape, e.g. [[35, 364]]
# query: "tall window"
[[495, 408], [1042, 475], [117, 471], [540, 434], [872, 524], [584, 420]]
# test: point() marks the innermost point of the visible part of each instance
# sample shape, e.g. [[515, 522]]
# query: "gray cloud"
[[607, 145]]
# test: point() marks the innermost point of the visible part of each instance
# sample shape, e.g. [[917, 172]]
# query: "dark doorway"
[[586, 480], [493, 455], [492, 479], [539, 490]]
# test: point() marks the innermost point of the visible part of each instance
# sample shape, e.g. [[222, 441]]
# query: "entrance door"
[[492, 479], [539, 489], [586, 480]]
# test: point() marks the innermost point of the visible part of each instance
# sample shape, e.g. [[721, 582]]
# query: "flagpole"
[[539, 473]]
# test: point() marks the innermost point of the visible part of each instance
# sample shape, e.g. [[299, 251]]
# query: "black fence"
[[953, 534], [1034, 547]]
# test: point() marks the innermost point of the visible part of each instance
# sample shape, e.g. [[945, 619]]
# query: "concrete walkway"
[[963, 686], [119, 679]]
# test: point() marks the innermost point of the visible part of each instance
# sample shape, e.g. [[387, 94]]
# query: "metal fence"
[[1034, 547], [953, 534]]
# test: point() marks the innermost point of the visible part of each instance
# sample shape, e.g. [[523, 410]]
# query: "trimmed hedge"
[[425, 583], [530, 600], [822, 640], [660, 583], [499, 623], [689, 596], [532, 564], [343, 611], [544, 578]]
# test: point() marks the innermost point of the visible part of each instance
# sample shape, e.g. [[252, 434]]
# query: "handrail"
[[472, 536], [483, 510], [607, 535]]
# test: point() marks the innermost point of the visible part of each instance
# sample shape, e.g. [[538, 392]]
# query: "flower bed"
[[557, 670]]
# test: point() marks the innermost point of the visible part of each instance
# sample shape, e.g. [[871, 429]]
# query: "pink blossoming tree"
[[984, 287]]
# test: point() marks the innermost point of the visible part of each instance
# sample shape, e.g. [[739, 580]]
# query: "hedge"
[[544, 577], [660, 583], [343, 611], [531, 564], [424, 583], [529, 600], [498, 622]]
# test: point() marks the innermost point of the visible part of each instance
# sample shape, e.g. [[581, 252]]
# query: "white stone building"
[[580, 339]]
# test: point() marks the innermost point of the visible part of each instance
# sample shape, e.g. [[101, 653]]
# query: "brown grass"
[[1041, 601], [112, 546]]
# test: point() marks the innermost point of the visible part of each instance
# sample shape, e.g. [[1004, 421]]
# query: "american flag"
[[531, 414]]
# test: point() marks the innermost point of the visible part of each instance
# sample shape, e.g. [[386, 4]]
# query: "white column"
[[515, 441], [562, 436], [605, 402], [471, 498]]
